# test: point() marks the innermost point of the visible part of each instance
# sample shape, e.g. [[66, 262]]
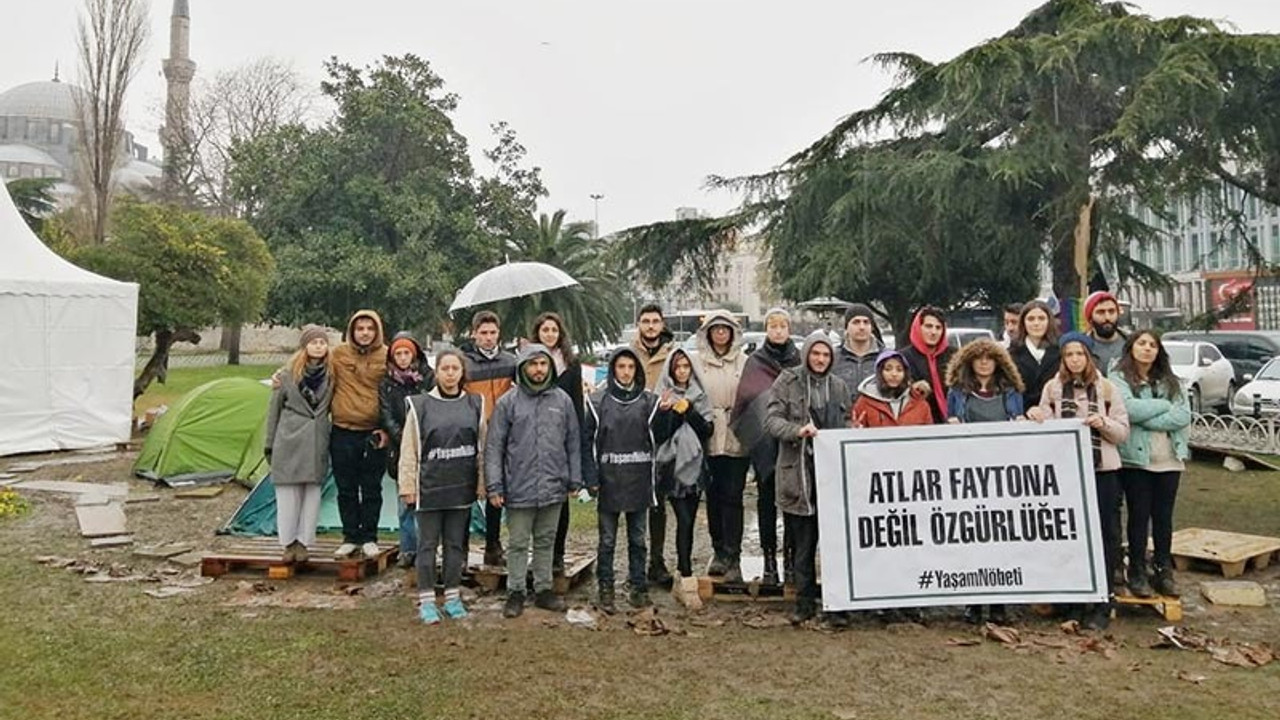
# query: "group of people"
[[670, 427]]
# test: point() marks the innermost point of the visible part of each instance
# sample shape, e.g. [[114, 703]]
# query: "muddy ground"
[[244, 647]]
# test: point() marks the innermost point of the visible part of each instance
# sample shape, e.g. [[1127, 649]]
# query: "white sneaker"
[[345, 550], [370, 549]]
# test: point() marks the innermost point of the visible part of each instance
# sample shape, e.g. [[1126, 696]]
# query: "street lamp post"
[[596, 198]]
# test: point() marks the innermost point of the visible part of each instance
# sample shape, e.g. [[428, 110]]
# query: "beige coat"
[[720, 376], [1115, 426]]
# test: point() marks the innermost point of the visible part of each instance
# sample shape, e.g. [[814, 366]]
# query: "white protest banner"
[[958, 514]]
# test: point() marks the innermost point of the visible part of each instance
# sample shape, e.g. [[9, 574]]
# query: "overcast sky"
[[638, 101]]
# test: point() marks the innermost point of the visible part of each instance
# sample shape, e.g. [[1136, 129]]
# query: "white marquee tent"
[[66, 347]]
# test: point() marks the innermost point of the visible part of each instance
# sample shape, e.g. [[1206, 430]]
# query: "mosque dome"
[[48, 99]]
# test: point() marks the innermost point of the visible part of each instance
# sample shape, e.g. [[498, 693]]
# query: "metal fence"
[[1236, 432]]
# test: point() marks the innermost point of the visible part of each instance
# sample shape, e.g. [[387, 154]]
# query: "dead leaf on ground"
[[1002, 634], [963, 642], [1189, 677], [1070, 627], [647, 623], [704, 621], [844, 714], [1244, 655], [764, 621]]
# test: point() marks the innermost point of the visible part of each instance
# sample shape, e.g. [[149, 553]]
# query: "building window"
[[36, 130], [55, 133], [1275, 243], [1253, 208], [11, 170], [4, 127]]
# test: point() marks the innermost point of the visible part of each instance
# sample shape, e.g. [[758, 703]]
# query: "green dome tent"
[[213, 433]]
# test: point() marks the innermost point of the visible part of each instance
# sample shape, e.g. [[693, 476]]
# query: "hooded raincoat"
[[720, 375], [681, 459], [357, 376]]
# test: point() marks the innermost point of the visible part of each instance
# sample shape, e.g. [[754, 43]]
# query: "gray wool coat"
[[297, 434]]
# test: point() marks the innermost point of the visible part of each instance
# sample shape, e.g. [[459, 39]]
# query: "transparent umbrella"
[[511, 280]]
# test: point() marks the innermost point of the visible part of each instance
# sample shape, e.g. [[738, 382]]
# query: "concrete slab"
[[101, 520], [1234, 592]]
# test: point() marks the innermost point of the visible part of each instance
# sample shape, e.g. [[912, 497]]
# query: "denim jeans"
[[636, 550], [408, 528]]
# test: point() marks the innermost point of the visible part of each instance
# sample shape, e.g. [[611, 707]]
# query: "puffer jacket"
[[1115, 426], [720, 376], [1150, 411], [357, 375], [789, 410], [533, 448]]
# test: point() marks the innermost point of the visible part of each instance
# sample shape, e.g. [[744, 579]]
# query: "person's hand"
[[380, 439], [410, 499], [808, 431], [275, 380], [921, 387], [667, 400], [1036, 414], [1095, 421], [953, 421], [860, 420], [496, 500]]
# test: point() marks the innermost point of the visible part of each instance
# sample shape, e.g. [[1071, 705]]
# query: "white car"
[[1263, 387], [1208, 377]]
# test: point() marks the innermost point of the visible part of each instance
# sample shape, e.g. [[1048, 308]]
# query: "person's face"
[[318, 348], [549, 333], [1037, 322], [984, 367], [624, 370], [650, 326], [537, 369], [1104, 318], [486, 336], [1075, 357], [932, 330], [777, 330], [449, 372], [682, 369], [1011, 324], [819, 358], [403, 357], [365, 331], [893, 373], [720, 335], [1145, 349], [858, 330]]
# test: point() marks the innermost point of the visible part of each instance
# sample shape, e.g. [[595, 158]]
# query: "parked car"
[[1247, 350], [1208, 377], [1261, 390], [959, 337]]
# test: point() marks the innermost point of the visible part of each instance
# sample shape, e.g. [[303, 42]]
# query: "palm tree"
[[593, 311]]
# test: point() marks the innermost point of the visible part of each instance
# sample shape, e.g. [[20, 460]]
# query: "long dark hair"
[[563, 343], [1161, 373], [1051, 330], [452, 352]]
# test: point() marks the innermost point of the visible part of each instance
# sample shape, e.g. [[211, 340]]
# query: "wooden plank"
[[101, 520], [114, 490], [143, 498], [163, 552], [260, 556], [1170, 608], [112, 541], [204, 491]]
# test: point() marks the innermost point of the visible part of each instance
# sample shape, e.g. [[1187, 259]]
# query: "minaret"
[[178, 71]]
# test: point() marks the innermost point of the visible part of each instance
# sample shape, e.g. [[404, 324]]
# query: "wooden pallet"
[[715, 588], [1170, 608], [263, 553], [1232, 552], [492, 578]]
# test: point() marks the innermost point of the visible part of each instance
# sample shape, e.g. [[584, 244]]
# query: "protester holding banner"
[[774, 355], [888, 398], [805, 399], [408, 374], [1080, 391], [985, 387], [297, 441], [1035, 349], [720, 362], [550, 332], [681, 459], [928, 356], [441, 474], [1152, 457]]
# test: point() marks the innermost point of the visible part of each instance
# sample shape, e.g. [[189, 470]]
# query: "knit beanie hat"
[[779, 312], [311, 332], [1093, 300], [404, 343], [1078, 337], [858, 310]]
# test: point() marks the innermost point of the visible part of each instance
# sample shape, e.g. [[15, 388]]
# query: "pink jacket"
[[1115, 427]]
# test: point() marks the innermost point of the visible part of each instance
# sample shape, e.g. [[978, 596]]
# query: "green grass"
[[1245, 502], [183, 379]]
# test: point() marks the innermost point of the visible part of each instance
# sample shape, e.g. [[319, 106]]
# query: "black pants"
[[435, 526], [767, 513], [686, 512], [1108, 483], [562, 535], [492, 525], [658, 533], [357, 471], [1150, 497], [803, 530], [724, 504]]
